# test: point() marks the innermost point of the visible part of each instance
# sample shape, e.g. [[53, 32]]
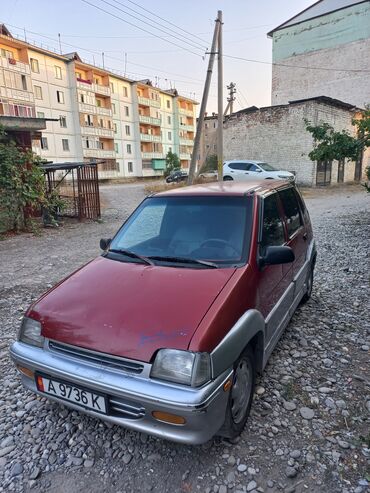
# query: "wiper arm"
[[184, 260], [128, 253]]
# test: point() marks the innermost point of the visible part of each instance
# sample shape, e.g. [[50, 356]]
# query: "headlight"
[[185, 367], [30, 332]]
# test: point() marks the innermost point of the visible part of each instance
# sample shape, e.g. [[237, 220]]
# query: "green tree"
[[330, 144], [172, 163], [210, 163], [22, 185]]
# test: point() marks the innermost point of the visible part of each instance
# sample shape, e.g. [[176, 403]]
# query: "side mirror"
[[104, 243], [258, 170], [275, 255]]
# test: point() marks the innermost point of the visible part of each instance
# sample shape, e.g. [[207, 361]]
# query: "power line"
[[141, 28], [165, 20], [297, 66], [94, 52]]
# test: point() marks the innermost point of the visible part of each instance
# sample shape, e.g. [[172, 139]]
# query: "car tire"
[[228, 178], [240, 395], [309, 282]]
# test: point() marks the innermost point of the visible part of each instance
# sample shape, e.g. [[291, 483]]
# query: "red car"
[[166, 330]]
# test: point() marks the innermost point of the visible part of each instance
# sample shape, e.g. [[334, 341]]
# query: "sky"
[[169, 59]]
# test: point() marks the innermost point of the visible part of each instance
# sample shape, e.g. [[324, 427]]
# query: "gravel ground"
[[309, 426]]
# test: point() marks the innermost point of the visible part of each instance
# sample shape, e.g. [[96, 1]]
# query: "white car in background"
[[241, 170]]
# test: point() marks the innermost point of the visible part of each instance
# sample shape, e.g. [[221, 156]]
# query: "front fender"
[[232, 345]]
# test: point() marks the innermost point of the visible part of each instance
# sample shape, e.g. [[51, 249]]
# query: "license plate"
[[72, 393]]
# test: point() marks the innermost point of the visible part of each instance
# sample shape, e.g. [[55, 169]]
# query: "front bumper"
[[133, 398]]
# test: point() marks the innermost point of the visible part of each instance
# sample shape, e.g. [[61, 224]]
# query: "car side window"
[[253, 167], [291, 208], [272, 228], [239, 166]]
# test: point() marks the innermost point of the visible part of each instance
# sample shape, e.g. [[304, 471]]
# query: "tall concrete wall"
[[278, 136], [339, 40]]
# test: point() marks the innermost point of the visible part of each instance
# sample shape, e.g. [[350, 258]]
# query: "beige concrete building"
[[98, 115]]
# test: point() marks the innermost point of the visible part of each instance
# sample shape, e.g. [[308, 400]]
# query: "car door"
[[297, 238], [239, 171], [272, 300], [255, 172]]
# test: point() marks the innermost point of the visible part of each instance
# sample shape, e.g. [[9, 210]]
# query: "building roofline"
[[30, 46], [319, 99], [281, 26]]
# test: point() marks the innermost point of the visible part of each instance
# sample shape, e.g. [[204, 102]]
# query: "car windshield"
[[202, 228], [267, 167]]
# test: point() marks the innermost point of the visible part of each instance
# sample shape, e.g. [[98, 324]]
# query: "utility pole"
[[231, 98], [220, 147], [203, 105], [102, 56]]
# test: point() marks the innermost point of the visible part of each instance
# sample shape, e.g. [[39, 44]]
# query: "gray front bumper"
[[203, 408]]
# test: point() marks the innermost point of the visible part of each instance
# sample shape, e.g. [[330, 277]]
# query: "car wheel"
[[309, 283], [228, 178], [240, 396]]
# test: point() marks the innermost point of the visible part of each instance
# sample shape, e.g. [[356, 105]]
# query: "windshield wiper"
[[184, 260], [128, 253]]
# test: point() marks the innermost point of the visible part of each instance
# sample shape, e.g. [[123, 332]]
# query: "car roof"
[[238, 188], [244, 161]]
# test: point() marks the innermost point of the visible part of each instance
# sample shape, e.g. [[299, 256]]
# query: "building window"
[[127, 112], [98, 103], [65, 144], [63, 121], [89, 120], [58, 72], [82, 98], [7, 53], [35, 65], [125, 92], [127, 128], [113, 108], [130, 166], [38, 92], [115, 127], [168, 102], [116, 147], [169, 135], [78, 75], [60, 97], [205, 125], [111, 86], [129, 150], [169, 120], [24, 82], [44, 143], [40, 114]]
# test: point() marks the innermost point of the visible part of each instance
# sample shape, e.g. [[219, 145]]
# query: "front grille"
[[121, 408], [97, 358]]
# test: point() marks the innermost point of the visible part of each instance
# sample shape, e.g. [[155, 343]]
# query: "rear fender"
[[249, 328]]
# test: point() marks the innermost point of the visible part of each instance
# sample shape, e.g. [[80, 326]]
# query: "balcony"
[[185, 156], [152, 155], [150, 138], [189, 128], [148, 102], [103, 111], [182, 111], [103, 90], [99, 153], [150, 120], [186, 142], [97, 131], [15, 65], [16, 94]]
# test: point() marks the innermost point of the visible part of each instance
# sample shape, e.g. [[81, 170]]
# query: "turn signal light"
[[26, 371], [227, 385], [169, 418]]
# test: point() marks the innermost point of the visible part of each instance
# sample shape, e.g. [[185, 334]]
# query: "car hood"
[[129, 309]]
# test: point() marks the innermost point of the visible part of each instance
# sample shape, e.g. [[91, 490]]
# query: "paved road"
[[321, 364]]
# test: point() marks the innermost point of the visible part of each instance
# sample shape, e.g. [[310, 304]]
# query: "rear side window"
[[241, 166], [272, 229], [291, 209]]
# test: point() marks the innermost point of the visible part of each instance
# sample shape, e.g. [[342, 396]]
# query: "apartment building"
[[97, 115]]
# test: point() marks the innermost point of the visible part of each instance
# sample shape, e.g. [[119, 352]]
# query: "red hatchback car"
[[165, 331]]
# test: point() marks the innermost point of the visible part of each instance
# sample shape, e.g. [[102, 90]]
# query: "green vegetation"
[[172, 163]]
